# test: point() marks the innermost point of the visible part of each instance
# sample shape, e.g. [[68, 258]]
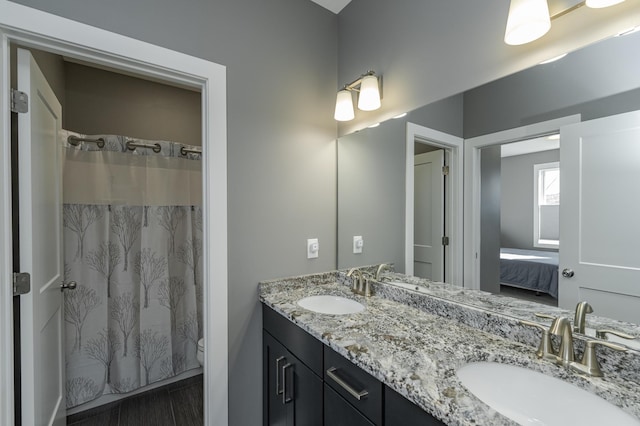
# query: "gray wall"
[[595, 82], [281, 77], [371, 196], [516, 202], [99, 101], [490, 219], [430, 49], [371, 183]]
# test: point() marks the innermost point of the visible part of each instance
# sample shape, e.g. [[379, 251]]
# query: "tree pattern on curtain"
[[136, 314]]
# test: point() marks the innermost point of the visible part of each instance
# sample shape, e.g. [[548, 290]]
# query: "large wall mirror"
[[590, 84]]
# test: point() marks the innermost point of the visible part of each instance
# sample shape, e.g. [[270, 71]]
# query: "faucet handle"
[[602, 334], [589, 364], [545, 348], [544, 316]]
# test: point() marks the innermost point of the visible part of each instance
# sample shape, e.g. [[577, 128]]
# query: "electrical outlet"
[[313, 248], [358, 244]]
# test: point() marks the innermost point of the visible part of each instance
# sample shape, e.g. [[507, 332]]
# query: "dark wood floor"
[[177, 404]]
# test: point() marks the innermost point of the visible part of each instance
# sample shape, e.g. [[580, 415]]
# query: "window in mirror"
[[546, 205]]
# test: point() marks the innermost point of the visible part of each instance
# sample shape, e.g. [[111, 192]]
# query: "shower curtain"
[[132, 224]]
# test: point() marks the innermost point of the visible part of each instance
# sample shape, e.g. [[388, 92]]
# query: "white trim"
[[472, 185], [45, 31], [454, 144], [537, 241]]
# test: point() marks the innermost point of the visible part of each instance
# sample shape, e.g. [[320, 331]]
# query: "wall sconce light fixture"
[[529, 20], [368, 86]]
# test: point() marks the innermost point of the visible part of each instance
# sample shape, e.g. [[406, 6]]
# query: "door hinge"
[[445, 170], [445, 241], [21, 283], [19, 101]]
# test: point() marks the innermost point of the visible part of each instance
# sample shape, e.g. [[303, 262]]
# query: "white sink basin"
[[334, 305], [532, 398]]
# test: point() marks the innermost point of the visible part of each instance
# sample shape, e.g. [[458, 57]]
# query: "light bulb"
[[344, 106], [599, 4], [369, 99], [528, 21]]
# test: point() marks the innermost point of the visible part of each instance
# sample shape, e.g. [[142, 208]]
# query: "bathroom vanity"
[[395, 362], [306, 381]]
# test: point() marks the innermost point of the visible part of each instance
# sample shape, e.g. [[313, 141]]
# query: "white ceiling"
[[333, 5]]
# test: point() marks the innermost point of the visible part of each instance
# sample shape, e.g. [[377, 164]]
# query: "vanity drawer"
[[338, 412], [304, 346], [348, 381], [399, 411]]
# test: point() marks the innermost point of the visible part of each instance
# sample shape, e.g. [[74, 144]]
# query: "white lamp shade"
[[369, 98], [598, 4], [344, 106], [528, 20]]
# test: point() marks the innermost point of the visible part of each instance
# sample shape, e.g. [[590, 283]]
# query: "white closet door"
[[40, 193], [428, 251], [599, 216]]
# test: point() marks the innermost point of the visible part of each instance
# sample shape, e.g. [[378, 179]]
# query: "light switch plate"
[[313, 248], [358, 244]]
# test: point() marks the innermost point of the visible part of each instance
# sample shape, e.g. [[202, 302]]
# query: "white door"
[[428, 251], [40, 193], [600, 216]]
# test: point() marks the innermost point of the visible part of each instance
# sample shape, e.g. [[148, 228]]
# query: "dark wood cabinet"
[[354, 385], [399, 411], [293, 393], [306, 383], [338, 412]]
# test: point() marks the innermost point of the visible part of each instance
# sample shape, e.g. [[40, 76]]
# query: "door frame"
[[473, 196], [33, 28], [452, 145]]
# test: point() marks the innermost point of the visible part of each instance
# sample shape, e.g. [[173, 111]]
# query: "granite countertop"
[[417, 353]]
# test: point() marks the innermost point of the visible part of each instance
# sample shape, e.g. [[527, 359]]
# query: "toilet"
[[200, 354]]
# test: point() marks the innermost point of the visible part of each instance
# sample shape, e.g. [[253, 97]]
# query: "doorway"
[[449, 239], [476, 254], [519, 218], [133, 290], [57, 35]]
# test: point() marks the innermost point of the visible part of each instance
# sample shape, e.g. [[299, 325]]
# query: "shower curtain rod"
[[185, 151], [75, 141], [131, 145]]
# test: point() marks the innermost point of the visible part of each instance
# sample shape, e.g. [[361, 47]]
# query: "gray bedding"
[[531, 269]]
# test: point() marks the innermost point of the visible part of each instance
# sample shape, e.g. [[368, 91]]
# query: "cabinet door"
[[338, 412], [293, 393], [274, 357], [399, 411]]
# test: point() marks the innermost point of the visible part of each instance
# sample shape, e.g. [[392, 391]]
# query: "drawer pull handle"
[[356, 394], [287, 393], [278, 382]]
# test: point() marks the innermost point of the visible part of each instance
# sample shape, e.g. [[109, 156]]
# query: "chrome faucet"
[[561, 327], [381, 268], [361, 282], [356, 277], [582, 309]]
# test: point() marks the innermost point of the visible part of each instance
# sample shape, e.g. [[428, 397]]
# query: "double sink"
[[523, 395]]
